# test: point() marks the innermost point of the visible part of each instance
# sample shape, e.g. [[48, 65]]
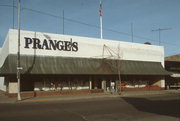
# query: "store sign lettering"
[[36, 43]]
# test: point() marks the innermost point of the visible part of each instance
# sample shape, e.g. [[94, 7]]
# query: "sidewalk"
[[68, 97], [4, 99], [150, 92]]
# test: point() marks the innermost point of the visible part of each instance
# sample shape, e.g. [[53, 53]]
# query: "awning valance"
[[80, 66]]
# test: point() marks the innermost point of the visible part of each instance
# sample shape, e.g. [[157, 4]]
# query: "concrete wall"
[[12, 87], [4, 51], [2, 84], [89, 47]]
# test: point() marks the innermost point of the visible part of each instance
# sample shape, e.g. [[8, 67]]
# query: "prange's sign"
[[36, 43]]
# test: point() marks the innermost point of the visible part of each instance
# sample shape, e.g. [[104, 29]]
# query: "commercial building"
[[172, 64], [55, 64]]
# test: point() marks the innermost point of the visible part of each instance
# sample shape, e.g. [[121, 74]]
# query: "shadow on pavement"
[[161, 107], [27, 98]]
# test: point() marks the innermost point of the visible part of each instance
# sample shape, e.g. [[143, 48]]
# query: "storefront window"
[[135, 84], [58, 85]]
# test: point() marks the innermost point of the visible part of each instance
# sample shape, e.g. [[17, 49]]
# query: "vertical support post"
[[119, 78], [63, 21], [18, 53], [119, 66], [162, 85], [159, 37], [13, 14], [103, 85], [132, 32], [100, 12], [90, 84], [101, 27]]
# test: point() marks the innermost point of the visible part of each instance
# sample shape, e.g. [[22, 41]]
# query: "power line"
[[67, 19], [83, 23], [91, 25], [37, 11], [87, 24], [8, 6]]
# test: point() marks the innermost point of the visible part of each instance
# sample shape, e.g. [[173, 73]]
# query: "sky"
[[121, 19]]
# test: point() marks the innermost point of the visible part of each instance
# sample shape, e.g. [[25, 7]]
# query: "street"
[[164, 107]]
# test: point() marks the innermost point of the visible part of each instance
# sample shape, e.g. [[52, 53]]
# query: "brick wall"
[[142, 89], [76, 92], [55, 93]]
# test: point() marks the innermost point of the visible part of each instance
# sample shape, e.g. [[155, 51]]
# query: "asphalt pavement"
[[159, 106], [5, 99]]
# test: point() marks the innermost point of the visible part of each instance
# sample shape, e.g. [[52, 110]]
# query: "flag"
[[100, 9]]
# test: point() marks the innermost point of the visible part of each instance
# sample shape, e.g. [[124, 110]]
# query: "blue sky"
[[82, 19]]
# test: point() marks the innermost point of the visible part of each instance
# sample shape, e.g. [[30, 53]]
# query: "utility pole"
[[119, 71], [13, 14], [159, 30], [132, 32], [18, 54], [63, 21]]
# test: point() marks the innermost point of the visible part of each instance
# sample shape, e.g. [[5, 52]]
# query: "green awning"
[[79, 66]]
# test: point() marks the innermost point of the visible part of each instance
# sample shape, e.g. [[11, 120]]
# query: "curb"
[[65, 98], [6, 100], [151, 93]]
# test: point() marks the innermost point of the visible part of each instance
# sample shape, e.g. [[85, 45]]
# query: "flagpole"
[[100, 12], [101, 27]]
